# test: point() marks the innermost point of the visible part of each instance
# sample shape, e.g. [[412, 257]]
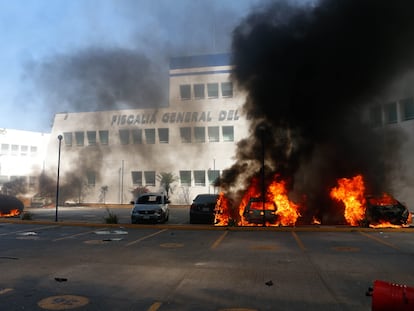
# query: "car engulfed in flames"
[[276, 209], [10, 206]]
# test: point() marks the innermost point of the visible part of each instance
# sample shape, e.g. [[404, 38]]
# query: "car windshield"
[[206, 198], [258, 205], [149, 199]]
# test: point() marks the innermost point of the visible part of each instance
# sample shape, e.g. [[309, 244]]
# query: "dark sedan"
[[202, 208]]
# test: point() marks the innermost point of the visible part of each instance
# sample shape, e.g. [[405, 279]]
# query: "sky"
[[57, 55]]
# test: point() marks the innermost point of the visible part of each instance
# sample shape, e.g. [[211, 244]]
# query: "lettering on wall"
[[175, 117]]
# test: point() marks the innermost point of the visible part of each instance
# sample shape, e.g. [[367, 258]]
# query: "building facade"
[[193, 138]]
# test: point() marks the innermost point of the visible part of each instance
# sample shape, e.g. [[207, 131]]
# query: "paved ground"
[[59, 266]]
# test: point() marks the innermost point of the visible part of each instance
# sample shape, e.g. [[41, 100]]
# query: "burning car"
[[10, 206], [257, 211], [385, 210]]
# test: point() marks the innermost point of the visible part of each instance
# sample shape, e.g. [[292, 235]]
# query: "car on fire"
[[385, 209], [202, 210], [150, 207], [256, 212]]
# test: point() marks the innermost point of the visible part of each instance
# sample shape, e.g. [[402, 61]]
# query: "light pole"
[[262, 133], [57, 180]]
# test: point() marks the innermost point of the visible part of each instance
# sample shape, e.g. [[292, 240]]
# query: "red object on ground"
[[390, 296]]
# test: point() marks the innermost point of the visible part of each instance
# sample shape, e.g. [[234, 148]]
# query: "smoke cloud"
[[310, 73]]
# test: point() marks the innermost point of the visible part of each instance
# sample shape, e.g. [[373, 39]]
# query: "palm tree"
[[166, 180]]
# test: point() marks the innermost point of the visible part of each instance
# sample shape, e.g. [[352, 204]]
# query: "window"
[[391, 113], [91, 138], [91, 178], [67, 138], [24, 150], [32, 181], [103, 137], [227, 89], [136, 178], [33, 151], [213, 134], [185, 133], [163, 135], [149, 178], [212, 90], [5, 149], [124, 137], [185, 91], [200, 178], [150, 136], [14, 149], [213, 175], [408, 108], [200, 134], [185, 178], [79, 137], [375, 116], [199, 92], [228, 133], [137, 136]]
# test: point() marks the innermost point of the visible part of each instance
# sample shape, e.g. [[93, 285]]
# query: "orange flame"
[[222, 211], [11, 213], [351, 192]]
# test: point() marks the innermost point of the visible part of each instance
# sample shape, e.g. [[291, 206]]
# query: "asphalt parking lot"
[[62, 266]]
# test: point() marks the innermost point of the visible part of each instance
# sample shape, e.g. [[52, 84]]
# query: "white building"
[[22, 155], [194, 138]]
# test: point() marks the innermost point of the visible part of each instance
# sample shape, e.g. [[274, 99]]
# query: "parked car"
[[150, 207], [385, 208], [255, 213], [202, 208]]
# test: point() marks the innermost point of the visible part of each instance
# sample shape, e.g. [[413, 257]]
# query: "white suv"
[[150, 207]]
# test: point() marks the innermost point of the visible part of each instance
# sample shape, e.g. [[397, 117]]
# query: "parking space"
[[164, 268]]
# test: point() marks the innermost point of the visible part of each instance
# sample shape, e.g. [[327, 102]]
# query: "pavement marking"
[[298, 241], [73, 235], [155, 306], [63, 302], [5, 290], [19, 231], [379, 240], [145, 237], [219, 240]]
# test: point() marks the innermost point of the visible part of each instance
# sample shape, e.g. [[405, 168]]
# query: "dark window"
[[91, 138], [103, 137], [67, 138], [200, 134], [124, 137], [200, 178], [199, 92], [185, 178], [91, 178], [185, 133], [212, 90], [136, 178], [228, 133], [33, 151], [163, 135], [213, 175], [80, 138], [391, 113], [227, 89], [185, 91], [150, 136], [137, 136], [149, 178], [408, 108], [213, 134]]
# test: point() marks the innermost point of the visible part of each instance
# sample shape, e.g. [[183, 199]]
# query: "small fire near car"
[[202, 208], [150, 207], [385, 208], [256, 213]]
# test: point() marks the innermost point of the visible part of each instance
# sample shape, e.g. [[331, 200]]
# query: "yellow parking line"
[[299, 241], [379, 240], [73, 235], [145, 237], [155, 306], [219, 240]]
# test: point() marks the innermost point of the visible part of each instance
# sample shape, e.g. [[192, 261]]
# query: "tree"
[[102, 194], [166, 180]]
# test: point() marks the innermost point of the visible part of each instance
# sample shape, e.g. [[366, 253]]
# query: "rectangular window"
[[212, 90], [14, 149], [163, 135], [24, 150], [213, 175], [213, 134], [185, 133], [32, 181], [227, 89], [391, 113], [407, 106], [185, 91], [375, 116], [79, 138], [137, 136], [185, 178], [150, 136], [200, 134], [91, 138], [200, 178], [136, 178], [228, 133], [149, 178], [91, 178], [124, 137], [103, 137], [199, 92], [67, 138], [33, 151], [5, 149]]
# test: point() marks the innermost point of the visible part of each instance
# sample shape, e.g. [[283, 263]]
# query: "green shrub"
[[27, 216], [111, 218]]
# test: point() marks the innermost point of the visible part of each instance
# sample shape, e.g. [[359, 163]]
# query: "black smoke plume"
[[310, 73]]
